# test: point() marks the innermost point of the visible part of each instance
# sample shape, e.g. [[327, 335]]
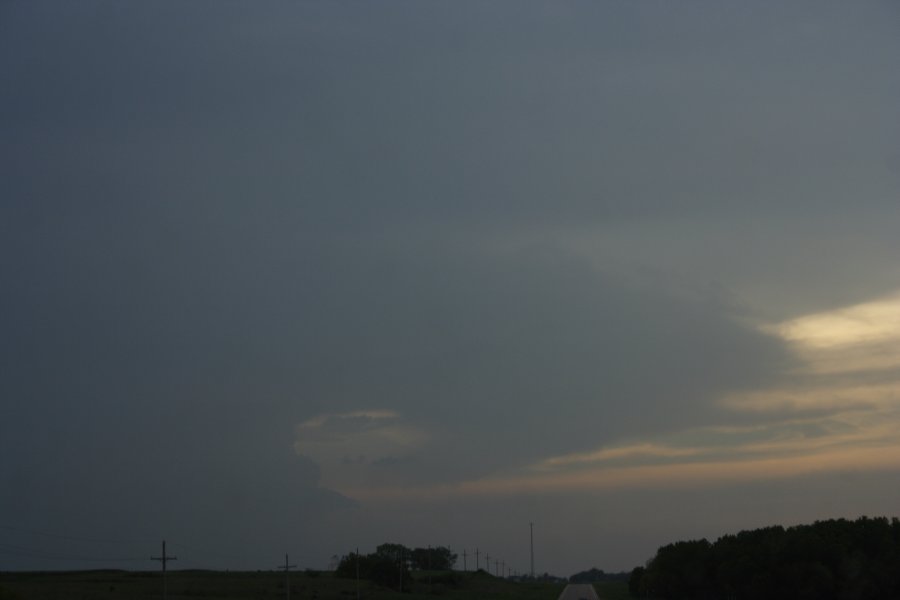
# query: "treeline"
[[597, 575], [834, 559], [390, 564]]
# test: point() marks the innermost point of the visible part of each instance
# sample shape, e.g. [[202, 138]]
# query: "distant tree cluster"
[[834, 559], [597, 575], [390, 564], [439, 558]]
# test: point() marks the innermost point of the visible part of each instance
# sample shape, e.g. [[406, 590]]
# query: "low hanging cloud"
[[741, 455], [348, 445], [807, 423], [523, 352]]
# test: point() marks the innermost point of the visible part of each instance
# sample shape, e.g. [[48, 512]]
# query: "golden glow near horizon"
[[691, 474], [840, 412], [703, 456]]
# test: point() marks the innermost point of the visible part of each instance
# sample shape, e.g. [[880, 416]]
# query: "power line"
[[38, 553], [73, 537], [78, 550], [198, 550]]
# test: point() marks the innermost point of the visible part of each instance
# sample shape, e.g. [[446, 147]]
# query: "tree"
[[681, 570], [833, 559], [398, 552], [439, 558], [635, 581], [380, 568]]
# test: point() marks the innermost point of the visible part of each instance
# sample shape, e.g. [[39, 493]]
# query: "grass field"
[[612, 590], [218, 585]]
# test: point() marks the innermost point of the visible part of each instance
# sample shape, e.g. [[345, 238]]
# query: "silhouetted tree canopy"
[[390, 564], [594, 575], [634, 582], [433, 559], [380, 568], [834, 559]]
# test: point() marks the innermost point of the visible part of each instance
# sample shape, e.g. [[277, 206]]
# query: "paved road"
[[578, 591]]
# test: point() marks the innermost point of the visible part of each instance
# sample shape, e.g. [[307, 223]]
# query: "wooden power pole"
[[287, 576], [164, 559], [532, 550]]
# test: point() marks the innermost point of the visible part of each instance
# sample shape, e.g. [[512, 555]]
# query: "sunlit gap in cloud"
[[863, 337], [814, 422]]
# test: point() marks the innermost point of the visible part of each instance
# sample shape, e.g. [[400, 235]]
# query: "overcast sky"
[[310, 276]]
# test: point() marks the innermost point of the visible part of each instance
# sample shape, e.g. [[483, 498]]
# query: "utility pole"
[[287, 576], [487, 561], [357, 573], [164, 559], [497, 567], [477, 564], [532, 550], [465, 566]]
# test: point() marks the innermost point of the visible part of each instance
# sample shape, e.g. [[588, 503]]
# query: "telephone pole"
[[532, 550], [465, 569], [477, 564], [287, 576], [164, 559]]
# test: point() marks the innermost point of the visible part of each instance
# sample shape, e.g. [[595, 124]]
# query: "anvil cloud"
[[334, 274]]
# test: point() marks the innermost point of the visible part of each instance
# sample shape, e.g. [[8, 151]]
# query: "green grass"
[[612, 590], [218, 585]]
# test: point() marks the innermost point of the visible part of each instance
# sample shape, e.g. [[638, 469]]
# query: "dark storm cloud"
[[361, 114], [222, 220], [503, 347], [455, 336]]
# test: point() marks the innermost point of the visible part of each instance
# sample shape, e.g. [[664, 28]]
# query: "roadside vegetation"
[[612, 590], [219, 585], [609, 586], [828, 560]]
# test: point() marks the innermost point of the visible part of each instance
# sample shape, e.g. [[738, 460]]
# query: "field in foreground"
[[612, 590], [218, 585]]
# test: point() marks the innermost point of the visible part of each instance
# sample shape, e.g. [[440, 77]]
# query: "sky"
[[310, 276]]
